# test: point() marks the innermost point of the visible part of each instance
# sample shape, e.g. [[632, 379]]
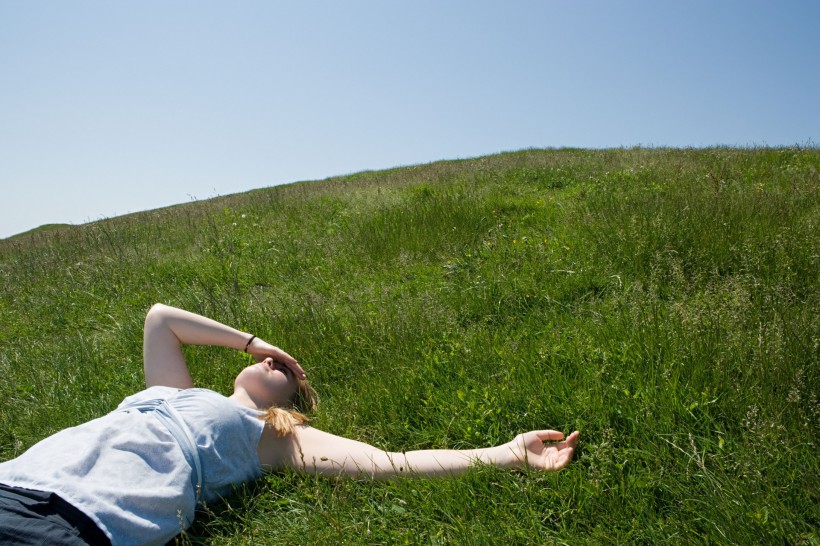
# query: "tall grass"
[[664, 302]]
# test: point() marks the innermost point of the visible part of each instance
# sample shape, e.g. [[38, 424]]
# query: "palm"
[[260, 350], [534, 453]]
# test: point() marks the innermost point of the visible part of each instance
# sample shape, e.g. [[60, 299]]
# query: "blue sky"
[[110, 107]]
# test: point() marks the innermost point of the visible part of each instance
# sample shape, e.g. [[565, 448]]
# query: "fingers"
[[278, 355], [284, 358], [297, 369], [570, 443], [556, 456], [290, 362], [566, 450], [548, 435], [552, 435]]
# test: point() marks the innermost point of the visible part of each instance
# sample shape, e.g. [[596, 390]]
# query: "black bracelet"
[[248, 344]]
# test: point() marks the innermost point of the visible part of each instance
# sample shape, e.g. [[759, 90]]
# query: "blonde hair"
[[284, 420]]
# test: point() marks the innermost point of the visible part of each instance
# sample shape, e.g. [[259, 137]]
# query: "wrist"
[[515, 458], [248, 343], [501, 456]]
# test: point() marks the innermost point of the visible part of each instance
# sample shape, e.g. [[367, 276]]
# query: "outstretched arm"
[[167, 328], [313, 451]]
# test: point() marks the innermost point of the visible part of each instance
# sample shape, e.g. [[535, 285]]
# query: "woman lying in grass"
[[136, 475]]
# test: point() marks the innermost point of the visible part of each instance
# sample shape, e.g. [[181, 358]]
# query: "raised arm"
[[313, 451], [168, 328]]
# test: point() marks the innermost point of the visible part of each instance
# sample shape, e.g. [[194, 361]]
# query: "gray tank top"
[[128, 473]]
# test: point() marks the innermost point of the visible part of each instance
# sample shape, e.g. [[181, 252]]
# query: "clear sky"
[[110, 107]]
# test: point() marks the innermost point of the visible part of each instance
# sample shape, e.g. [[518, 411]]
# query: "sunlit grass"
[[664, 302]]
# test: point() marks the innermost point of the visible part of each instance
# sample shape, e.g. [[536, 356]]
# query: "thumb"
[[548, 435]]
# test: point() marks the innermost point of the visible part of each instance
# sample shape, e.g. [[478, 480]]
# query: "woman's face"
[[268, 383]]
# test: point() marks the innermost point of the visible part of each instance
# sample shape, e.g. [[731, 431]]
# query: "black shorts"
[[30, 517]]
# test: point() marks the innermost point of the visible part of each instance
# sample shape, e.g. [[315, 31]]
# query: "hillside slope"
[[662, 301]]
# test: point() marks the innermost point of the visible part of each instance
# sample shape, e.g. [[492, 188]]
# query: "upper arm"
[[311, 450], [163, 361]]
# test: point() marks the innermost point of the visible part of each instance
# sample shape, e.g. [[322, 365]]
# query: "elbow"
[[156, 313]]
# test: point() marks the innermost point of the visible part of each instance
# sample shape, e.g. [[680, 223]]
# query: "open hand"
[[530, 451], [260, 349]]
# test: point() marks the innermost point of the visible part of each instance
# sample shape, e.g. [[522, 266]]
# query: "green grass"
[[662, 301]]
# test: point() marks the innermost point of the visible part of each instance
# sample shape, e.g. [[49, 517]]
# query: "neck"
[[241, 397]]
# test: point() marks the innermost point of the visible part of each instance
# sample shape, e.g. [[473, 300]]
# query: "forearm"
[[168, 328], [192, 329], [445, 462], [318, 452]]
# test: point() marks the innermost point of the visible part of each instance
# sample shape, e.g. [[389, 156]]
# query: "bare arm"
[[168, 328], [315, 452]]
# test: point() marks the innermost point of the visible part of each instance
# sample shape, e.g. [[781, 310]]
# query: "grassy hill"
[[39, 229], [662, 301]]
